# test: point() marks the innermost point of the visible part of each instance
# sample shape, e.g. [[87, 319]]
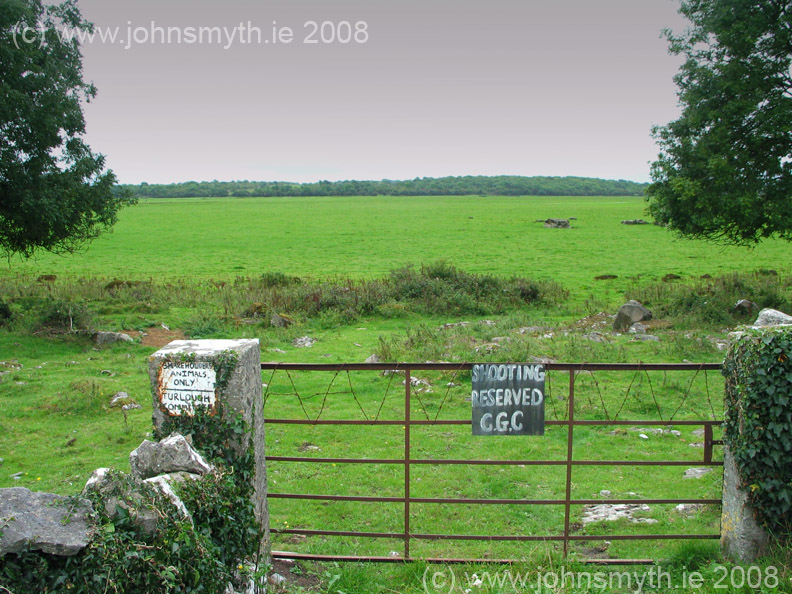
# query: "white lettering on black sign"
[[184, 385], [508, 399]]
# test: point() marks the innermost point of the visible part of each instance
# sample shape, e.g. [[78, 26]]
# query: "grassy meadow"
[[366, 237], [221, 267]]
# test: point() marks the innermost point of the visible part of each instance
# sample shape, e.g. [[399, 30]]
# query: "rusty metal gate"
[[408, 534]]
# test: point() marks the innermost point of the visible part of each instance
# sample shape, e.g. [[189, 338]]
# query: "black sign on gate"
[[508, 399]]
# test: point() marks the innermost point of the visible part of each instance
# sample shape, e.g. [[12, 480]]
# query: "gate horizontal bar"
[[439, 560], [485, 501], [466, 366], [495, 537], [375, 559], [370, 498], [441, 462], [467, 422]]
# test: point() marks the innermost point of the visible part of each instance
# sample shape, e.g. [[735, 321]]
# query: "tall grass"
[[432, 289], [712, 302]]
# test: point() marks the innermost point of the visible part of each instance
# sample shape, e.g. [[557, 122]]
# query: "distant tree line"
[[502, 185]]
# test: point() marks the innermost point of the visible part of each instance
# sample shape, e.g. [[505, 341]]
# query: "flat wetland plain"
[[202, 263], [366, 237]]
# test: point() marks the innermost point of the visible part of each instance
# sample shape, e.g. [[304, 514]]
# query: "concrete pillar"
[[742, 538], [208, 372]]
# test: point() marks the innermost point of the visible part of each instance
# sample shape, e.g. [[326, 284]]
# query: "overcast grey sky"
[[430, 88]]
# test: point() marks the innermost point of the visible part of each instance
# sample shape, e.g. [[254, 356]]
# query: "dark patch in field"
[[298, 577], [605, 277], [156, 336]]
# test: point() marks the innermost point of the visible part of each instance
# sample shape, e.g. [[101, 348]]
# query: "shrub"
[[62, 317], [203, 325], [5, 313], [277, 279]]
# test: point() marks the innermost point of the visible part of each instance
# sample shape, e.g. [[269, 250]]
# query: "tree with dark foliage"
[[725, 168], [55, 194]]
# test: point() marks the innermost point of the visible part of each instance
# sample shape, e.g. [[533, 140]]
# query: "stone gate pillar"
[[216, 374]]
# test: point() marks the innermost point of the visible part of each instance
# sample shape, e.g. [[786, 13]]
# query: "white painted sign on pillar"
[[185, 385]]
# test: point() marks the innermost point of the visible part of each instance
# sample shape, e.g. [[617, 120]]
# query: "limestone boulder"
[[43, 522], [281, 320], [118, 491], [629, 314], [772, 317], [172, 454], [556, 223], [101, 338], [742, 538], [745, 306]]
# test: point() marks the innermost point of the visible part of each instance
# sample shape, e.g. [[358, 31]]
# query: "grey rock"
[[696, 472], [745, 305], [645, 338], [556, 223], [772, 317], [119, 492], [688, 508], [303, 342], [604, 493], [119, 398], [111, 337], [634, 222], [417, 382], [17, 475], [630, 313], [535, 359], [276, 579], [610, 512], [530, 329], [698, 432], [163, 484], [131, 406], [44, 522], [596, 337], [281, 321], [172, 454], [373, 359], [742, 539], [637, 328], [450, 325]]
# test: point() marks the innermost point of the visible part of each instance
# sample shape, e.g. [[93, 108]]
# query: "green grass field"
[[56, 425], [364, 237]]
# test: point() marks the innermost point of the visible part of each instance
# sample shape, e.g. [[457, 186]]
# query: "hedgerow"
[[758, 423]]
